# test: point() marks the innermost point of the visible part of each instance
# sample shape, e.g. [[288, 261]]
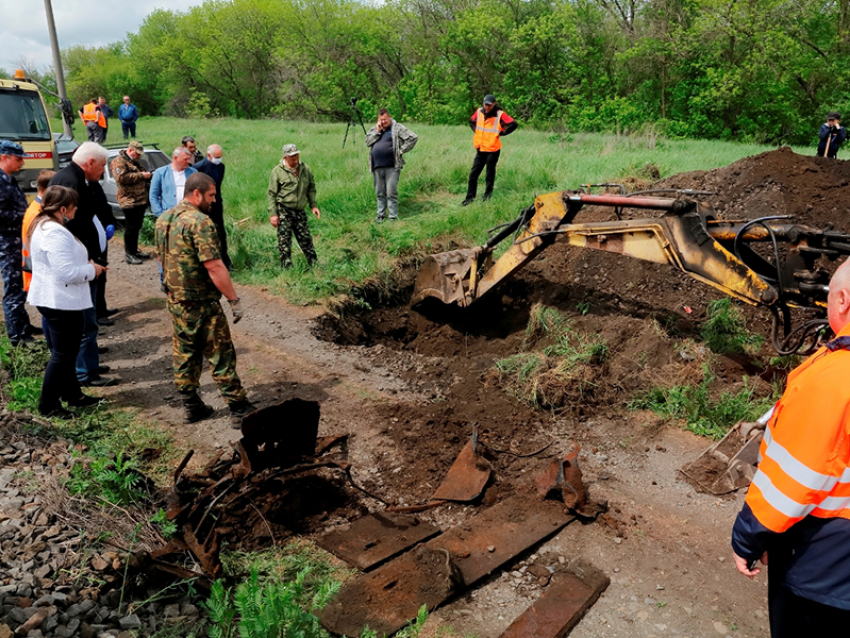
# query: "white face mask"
[[215, 160]]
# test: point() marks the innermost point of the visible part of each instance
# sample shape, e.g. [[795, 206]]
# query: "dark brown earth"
[[410, 388]]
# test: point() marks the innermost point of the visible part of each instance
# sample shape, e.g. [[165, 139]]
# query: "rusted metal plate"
[[508, 529], [466, 478], [376, 538], [561, 606], [387, 598]]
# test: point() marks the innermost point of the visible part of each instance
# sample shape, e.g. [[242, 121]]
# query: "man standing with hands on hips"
[[291, 189], [388, 141], [490, 124]]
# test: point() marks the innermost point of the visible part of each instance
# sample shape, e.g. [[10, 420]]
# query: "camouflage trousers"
[[294, 222], [201, 332], [14, 297]]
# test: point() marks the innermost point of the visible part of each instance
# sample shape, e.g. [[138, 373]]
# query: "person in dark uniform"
[[214, 167]]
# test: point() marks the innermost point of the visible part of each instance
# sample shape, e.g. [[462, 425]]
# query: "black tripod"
[[353, 118]]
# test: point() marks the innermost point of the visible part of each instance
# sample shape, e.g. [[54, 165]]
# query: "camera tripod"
[[354, 117]]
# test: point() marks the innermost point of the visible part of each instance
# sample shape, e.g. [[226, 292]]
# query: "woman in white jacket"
[[60, 290]]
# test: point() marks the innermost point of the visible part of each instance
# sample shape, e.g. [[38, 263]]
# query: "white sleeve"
[[59, 246]]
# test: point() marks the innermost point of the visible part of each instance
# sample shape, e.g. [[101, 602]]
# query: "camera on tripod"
[[354, 117], [353, 101]]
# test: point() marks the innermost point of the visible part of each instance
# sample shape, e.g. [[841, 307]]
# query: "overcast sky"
[[23, 25]]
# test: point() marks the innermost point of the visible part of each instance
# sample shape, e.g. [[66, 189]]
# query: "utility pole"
[[57, 61]]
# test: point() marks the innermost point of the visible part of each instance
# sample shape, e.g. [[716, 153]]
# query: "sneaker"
[[467, 201], [102, 369], [238, 410], [105, 321], [379, 220], [99, 382], [142, 255], [133, 259], [393, 219]]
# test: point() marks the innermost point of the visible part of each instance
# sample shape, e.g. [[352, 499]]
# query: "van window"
[[22, 117]]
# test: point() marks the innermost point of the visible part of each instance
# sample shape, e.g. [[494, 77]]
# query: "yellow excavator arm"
[[687, 236]]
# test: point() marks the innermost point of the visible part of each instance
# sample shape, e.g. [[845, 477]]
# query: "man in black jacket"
[[83, 175], [214, 167], [831, 135]]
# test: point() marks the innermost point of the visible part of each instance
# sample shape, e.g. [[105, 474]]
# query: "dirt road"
[[408, 398]]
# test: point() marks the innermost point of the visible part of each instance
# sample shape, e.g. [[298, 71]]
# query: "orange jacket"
[[804, 467], [92, 113], [487, 132], [33, 210]]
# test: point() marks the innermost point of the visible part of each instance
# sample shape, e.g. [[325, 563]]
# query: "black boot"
[[238, 410], [196, 410]]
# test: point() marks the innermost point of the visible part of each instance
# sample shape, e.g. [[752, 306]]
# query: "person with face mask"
[[61, 272], [195, 278], [134, 183], [214, 167]]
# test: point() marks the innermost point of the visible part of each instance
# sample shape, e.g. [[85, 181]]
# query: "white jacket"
[[60, 269]]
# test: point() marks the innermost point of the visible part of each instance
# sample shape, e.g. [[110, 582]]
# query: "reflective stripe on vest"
[[487, 131], [89, 113]]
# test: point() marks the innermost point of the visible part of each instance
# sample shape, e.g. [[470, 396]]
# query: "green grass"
[[703, 414], [351, 248], [725, 330]]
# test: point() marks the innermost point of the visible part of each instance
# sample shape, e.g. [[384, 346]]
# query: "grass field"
[[353, 249]]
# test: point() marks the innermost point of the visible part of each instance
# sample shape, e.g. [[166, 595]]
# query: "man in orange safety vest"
[[797, 510], [95, 122], [490, 124]]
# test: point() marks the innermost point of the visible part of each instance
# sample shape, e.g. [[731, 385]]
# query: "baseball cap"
[[12, 148], [489, 99], [833, 116], [289, 150], [137, 146]]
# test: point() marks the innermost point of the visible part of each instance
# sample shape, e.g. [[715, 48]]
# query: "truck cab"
[[23, 119]]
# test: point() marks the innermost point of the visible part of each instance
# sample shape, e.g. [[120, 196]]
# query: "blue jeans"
[[14, 297], [88, 360]]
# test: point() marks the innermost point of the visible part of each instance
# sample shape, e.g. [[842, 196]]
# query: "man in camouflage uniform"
[[134, 184], [13, 207], [291, 189], [195, 277]]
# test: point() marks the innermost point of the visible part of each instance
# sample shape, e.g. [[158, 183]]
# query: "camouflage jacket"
[[133, 187], [185, 238], [13, 206], [292, 192]]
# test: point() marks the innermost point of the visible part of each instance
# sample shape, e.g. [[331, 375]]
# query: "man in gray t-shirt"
[[388, 141]]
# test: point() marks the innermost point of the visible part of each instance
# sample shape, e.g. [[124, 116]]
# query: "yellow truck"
[[23, 119]]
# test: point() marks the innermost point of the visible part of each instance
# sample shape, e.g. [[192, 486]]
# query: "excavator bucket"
[[442, 276], [729, 464]]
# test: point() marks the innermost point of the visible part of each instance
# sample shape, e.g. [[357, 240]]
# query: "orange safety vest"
[[487, 131], [804, 467], [33, 210], [91, 113]]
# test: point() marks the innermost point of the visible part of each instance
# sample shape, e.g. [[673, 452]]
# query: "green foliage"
[[763, 71], [114, 480], [166, 527], [725, 330], [703, 414]]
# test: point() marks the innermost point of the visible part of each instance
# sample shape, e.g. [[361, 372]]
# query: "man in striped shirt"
[[797, 510]]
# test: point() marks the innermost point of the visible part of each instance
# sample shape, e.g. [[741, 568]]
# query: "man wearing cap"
[[13, 207], [291, 190], [128, 114], [490, 124], [133, 187], [388, 141], [831, 135]]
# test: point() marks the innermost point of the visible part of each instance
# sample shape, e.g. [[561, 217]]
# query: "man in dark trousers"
[[13, 207], [831, 135], [214, 167], [83, 175], [490, 124]]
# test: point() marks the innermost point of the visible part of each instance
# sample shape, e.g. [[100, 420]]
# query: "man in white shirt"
[[168, 182]]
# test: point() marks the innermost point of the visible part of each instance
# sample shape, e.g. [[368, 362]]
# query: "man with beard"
[[195, 278]]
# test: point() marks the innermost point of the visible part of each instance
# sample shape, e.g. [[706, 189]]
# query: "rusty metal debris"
[[729, 464], [468, 475], [563, 478], [559, 608], [374, 539], [387, 598], [279, 443]]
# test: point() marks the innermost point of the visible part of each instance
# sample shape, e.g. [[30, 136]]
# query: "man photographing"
[[831, 135]]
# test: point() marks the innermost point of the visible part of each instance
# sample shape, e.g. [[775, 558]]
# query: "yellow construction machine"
[[741, 258]]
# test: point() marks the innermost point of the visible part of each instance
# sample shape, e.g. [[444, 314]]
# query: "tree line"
[[756, 70]]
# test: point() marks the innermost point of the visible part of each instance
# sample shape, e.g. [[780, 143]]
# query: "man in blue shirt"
[[128, 114]]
